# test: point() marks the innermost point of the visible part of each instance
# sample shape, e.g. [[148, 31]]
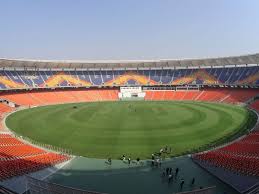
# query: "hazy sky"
[[128, 29]]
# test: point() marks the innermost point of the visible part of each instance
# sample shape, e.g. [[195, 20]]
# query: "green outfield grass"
[[138, 129]]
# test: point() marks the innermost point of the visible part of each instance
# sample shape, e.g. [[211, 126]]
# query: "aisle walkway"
[[96, 175]]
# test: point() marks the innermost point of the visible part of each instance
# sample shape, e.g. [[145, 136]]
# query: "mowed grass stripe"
[[110, 129]]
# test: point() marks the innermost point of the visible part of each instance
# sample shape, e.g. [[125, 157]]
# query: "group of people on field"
[[156, 159], [171, 176], [168, 173], [124, 159]]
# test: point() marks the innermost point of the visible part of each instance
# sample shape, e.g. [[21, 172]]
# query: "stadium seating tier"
[[11, 79], [18, 158], [241, 156]]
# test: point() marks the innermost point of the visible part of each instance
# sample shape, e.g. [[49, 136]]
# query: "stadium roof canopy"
[[220, 61]]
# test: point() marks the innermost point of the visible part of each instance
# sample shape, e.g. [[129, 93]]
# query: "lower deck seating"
[[241, 156], [234, 162], [13, 151], [255, 105], [35, 98], [21, 166], [3, 110], [7, 140], [18, 158], [232, 96]]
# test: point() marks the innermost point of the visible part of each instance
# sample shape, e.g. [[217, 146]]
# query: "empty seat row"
[[26, 165], [10, 152], [241, 156], [240, 164], [36, 98], [255, 105], [17, 157], [231, 96], [7, 140]]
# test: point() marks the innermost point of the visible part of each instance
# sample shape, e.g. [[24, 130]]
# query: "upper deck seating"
[[11, 79]]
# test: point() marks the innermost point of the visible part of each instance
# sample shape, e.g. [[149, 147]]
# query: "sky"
[[127, 29]]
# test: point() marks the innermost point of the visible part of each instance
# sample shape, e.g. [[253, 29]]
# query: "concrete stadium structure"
[[110, 64]]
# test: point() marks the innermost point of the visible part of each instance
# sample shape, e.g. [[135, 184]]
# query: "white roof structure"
[[113, 64]]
